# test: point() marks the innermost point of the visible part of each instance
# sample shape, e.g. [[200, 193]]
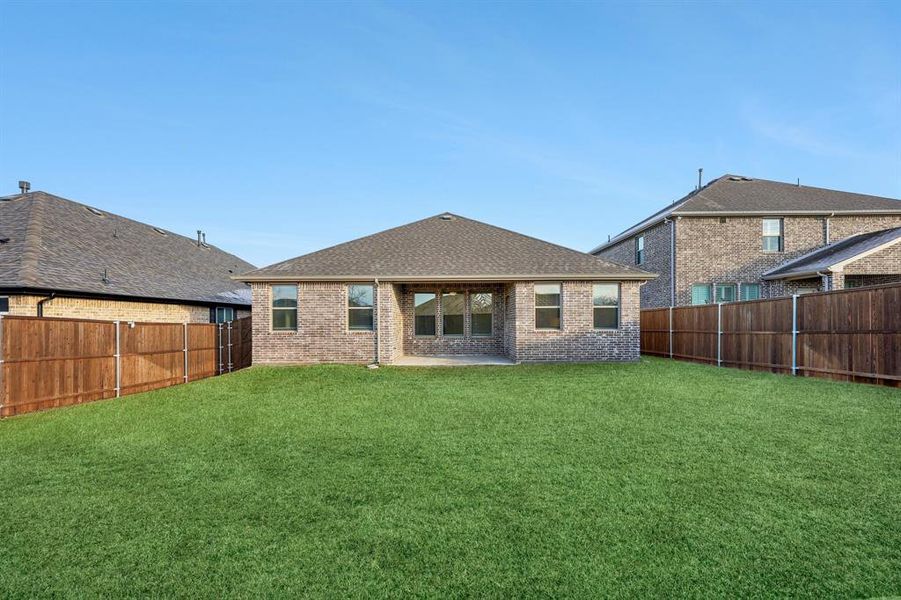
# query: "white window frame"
[[558, 306], [595, 307], [639, 250], [369, 308], [718, 286], [744, 286], [710, 293], [765, 234], [490, 314], [444, 314], [273, 308], [436, 296]]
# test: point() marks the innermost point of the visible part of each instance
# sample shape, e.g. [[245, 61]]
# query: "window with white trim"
[[750, 291], [481, 309], [773, 235], [725, 292], [547, 305], [606, 305], [700, 293], [359, 307], [424, 309], [284, 308], [223, 314], [453, 306], [639, 250]]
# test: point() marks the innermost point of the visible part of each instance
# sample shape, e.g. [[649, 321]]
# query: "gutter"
[[639, 276]]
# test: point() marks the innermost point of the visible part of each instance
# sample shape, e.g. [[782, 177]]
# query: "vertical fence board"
[[850, 335], [50, 362]]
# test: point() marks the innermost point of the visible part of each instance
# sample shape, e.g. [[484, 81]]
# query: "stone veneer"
[[113, 310], [322, 334]]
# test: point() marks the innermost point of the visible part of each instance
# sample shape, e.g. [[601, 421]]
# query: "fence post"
[[118, 356], [186, 353], [719, 334], [219, 327], [229, 346], [794, 334], [670, 331]]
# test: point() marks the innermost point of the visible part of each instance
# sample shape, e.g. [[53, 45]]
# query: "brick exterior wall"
[[442, 344], [709, 251], [884, 262], [577, 340], [656, 259], [113, 310], [322, 334]]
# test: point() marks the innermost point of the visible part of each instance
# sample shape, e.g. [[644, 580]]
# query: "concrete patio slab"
[[452, 360]]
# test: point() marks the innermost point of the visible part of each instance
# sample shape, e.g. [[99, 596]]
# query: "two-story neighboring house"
[[739, 238]]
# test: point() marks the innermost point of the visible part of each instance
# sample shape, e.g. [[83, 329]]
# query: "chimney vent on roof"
[[198, 237], [24, 186], [203, 238], [446, 217]]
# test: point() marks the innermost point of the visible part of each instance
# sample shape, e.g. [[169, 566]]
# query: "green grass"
[[653, 479]]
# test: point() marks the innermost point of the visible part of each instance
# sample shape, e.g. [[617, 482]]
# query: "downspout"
[[828, 236], [378, 318], [825, 276], [42, 301]]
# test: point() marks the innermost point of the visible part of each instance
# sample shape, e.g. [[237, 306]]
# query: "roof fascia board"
[[776, 213], [439, 278], [39, 291]]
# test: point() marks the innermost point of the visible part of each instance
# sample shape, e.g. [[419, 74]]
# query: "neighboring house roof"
[[738, 195], [445, 247], [62, 246], [835, 254]]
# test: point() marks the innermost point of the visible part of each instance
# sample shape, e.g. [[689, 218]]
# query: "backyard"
[[653, 479]]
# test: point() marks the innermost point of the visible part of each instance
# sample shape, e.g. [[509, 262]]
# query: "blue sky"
[[282, 128]]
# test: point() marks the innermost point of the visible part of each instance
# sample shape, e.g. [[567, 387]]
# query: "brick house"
[[727, 241], [60, 258], [445, 285]]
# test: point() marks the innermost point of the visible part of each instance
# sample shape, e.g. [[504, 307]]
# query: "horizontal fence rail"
[[50, 362], [850, 335]]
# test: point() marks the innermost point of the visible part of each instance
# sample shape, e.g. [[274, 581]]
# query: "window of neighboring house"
[[452, 309], [725, 292], [606, 305], [359, 307], [424, 309], [547, 305], [481, 310], [849, 283], [700, 293], [4, 305], [639, 250], [750, 291], [772, 235], [222, 314], [284, 308]]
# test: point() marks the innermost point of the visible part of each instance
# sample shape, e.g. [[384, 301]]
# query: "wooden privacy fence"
[[852, 335], [46, 362]]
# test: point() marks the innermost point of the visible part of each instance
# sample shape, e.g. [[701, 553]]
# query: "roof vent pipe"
[[203, 238], [24, 186], [198, 237], [700, 174]]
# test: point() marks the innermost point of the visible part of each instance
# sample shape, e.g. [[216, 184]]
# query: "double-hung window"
[[750, 291], [480, 313], [606, 305], [547, 305], [639, 250], [284, 308], [453, 305], [424, 310], [772, 235], [725, 292], [4, 305], [700, 293], [359, 307]]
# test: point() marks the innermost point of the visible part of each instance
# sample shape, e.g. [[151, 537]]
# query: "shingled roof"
[[446, 247], [827, 257], [739, 195], [57, 245]]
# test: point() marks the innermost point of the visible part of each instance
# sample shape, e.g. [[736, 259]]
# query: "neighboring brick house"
[[445, 285], [727, 240], [59, 258]]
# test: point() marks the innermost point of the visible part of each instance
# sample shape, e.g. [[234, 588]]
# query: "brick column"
[[837, 280]]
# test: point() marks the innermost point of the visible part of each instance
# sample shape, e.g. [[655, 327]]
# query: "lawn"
[[652, 479]]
